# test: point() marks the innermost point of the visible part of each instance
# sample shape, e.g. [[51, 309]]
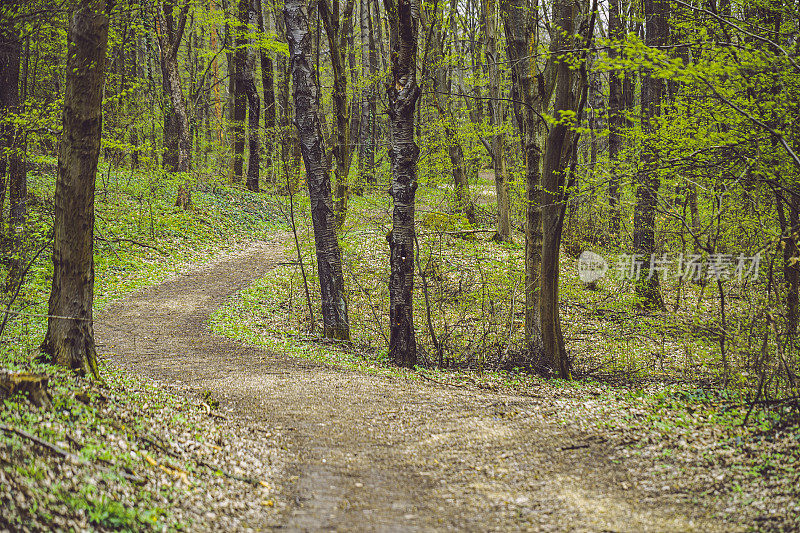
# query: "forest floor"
[[355, 451]]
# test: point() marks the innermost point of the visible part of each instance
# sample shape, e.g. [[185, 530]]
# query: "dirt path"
[[385, 454]]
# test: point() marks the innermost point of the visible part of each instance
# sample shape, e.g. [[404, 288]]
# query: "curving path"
[[379, 453]]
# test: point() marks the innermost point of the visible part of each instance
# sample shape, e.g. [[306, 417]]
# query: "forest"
[[488, 265]]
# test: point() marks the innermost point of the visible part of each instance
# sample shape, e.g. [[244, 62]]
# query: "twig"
[[64, 453], [132, 241], [575, 447], [19, 287]]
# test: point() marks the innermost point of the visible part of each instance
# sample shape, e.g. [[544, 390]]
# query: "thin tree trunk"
[[443, 105], [268, 86], [530, 97], [402, 92], [337, 31], [558, 153], [306, 97], [647, 286], [284, 117], [69, 341], [496, 122], [240, 91], [170, 37], [369, 55], [253, 103], [615, 118], [13, 165]]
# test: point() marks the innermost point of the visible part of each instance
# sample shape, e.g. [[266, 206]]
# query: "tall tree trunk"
[[69, 342], [253, 103], [615, 118], [306, 97], [169, 37], [369, 68], [240, 91], [402, 92], [531, 96], [11, 138], [496, 122], [286, 139], [177, 136], [337, 31], [559, 151], [443, 105], [647, 286], [268, 86], [791, 270]]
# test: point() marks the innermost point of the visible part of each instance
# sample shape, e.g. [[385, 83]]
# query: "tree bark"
[[615, 118], [337, 30], [402, 92], [644, 220], [443, 105], [69, 341], [306, 98], [253, 103], [268, 86], [495, 111], [369, 62], [177, 138], [11, 142], [531, 94], [560, 149], [240, 91]]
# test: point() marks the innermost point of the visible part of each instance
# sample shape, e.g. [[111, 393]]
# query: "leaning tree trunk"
[[69, 341], [306, 98], [644, 218], [496, 121], [403, 93]]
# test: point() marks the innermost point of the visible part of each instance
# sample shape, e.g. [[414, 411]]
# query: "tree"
[[268, 86], [496, 122], [12, 138], [69, 340], [240, 82], [177, 138], [569, 29], [403, 93], [247, 78], [368, 122], [306, 98], [615, 117], [440, 89], [647, 285], [531, 91], [338, 30]]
